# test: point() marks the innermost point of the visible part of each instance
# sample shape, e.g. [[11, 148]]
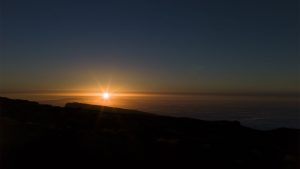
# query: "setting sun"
[[105, 95]]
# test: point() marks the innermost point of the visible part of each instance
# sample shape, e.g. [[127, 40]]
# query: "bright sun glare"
[[105, 95]]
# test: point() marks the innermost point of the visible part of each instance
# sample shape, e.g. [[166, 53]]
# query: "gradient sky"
[[155, 45]]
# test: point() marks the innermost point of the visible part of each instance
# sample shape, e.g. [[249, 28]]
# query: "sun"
[[105, 95]]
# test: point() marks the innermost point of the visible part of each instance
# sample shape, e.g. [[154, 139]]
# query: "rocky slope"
[[88, 136]]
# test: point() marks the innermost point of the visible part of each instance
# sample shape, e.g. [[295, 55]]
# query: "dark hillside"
[[88, 136]]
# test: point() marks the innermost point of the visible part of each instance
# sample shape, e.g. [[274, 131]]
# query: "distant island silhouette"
[[80, 135]]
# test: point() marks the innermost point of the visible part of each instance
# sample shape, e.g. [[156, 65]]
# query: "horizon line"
[[90, 92]]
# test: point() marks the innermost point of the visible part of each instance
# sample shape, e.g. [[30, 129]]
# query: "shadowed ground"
[[88, 136]]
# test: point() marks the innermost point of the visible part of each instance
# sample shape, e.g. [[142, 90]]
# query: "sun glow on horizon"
[[105, 95]]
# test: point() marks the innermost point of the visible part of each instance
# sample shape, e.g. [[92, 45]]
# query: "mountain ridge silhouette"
[[89, 136]]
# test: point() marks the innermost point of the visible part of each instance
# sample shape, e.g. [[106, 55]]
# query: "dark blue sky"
[[163, 45]]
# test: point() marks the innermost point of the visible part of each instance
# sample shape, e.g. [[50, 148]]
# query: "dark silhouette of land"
[[87, 136]]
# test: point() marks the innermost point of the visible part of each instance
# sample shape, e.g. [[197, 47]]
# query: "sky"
[[209, 46]]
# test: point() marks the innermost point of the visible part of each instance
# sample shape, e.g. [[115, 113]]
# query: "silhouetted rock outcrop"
[[88, 136]]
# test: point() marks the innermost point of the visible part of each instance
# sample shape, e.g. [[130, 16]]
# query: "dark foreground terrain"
[[86, 136]]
